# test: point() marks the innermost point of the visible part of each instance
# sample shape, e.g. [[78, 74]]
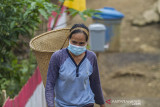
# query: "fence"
[[31, 95]]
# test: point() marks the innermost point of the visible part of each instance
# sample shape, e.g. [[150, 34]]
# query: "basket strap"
[[64, 43]]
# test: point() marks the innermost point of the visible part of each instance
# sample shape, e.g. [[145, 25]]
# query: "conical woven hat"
[[45, 45]]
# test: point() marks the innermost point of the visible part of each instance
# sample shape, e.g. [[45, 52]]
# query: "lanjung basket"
[[45, 45]]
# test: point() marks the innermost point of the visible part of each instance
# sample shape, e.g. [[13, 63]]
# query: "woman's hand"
[[102, 105]]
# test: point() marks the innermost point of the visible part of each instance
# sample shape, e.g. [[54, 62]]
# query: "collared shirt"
[[72, 85]]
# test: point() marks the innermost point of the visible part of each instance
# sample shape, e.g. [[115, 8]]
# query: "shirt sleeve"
[[95, 83], [52, 76]]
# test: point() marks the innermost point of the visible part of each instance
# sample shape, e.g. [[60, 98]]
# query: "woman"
[[73, 76]]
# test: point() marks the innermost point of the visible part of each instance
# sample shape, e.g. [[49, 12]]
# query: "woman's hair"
[[79, 30]]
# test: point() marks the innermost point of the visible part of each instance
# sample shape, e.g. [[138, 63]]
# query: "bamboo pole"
[[56, 18], [4, 95]]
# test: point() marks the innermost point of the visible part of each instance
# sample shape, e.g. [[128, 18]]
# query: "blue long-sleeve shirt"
[[72, 85]]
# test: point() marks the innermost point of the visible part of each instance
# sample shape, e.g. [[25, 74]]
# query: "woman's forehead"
[[78, 37]]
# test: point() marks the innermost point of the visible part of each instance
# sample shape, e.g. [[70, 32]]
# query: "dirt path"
[[134, 73], [131, 76]]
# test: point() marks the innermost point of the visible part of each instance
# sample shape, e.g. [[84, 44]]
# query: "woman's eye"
[[82, 43], [74, 42]]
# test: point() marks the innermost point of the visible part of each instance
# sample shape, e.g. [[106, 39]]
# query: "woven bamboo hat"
[[45, 45]]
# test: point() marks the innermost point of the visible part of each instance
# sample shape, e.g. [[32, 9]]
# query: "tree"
[[18, 17], [21, 18]]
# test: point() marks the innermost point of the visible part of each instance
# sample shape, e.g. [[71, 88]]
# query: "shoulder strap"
[[64, 42]]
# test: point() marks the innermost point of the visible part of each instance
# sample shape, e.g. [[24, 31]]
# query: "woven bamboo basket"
[[45, 45]]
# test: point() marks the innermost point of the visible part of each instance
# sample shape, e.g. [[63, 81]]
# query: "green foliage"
[[65, 0], [14, 74], [1, 99], [22, 18], [18, 17], [84, 14]]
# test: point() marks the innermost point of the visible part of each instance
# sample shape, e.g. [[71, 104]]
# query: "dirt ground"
[[134, 72]]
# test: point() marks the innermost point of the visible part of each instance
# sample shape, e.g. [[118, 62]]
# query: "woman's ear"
[[87, 44]]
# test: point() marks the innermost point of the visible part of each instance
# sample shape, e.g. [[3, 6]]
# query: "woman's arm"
[[96, 85], [52, 76]]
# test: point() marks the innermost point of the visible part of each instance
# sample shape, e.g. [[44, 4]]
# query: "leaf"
[[98, 16], [50, 7], [7, 42], [69, 0], [20, 30], [61, 0], [26, 13], [82, 16], [43, 13], [73, 12], [33, 5], [65, 0], [12, 24], [40, 4]]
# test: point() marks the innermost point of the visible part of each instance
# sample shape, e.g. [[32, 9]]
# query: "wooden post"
[[56, 18], [4, 95]]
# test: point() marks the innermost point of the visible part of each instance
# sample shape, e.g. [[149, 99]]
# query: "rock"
[[154, 7], [150, 84], [151, 16], [158, 6], [139, 21], [135, 28], [136, 39], [147, 48]]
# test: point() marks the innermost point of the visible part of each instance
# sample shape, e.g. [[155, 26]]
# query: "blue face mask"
[[76, 50]]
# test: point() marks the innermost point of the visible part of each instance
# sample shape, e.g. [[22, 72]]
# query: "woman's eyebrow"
[[74, 41], [77, 42], [81, 42]]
